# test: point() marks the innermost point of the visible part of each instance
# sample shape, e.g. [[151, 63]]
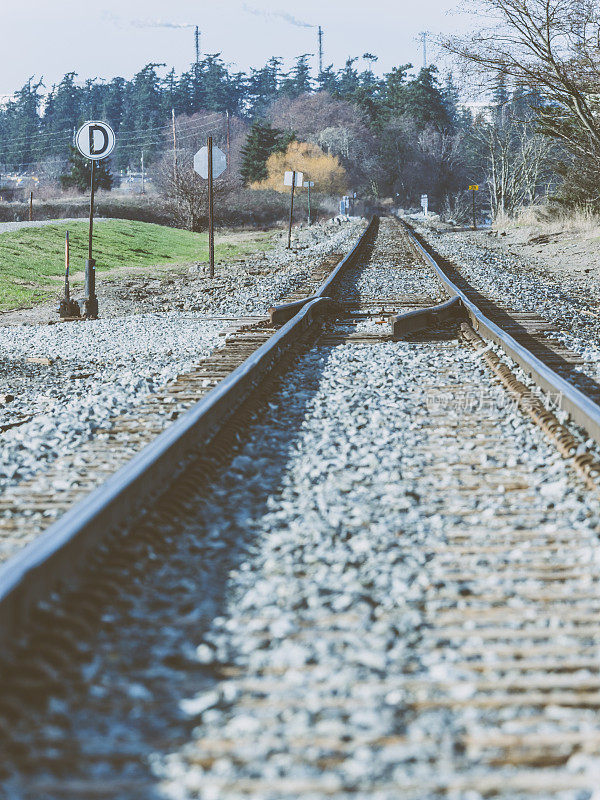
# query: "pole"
[[228, 137], [424, 37], [211, 231], [143, 175], [320, 50], [474, 218], [174, 142], [289, 244], [30, 206], [67, 290], [308, 186], [91, 301]]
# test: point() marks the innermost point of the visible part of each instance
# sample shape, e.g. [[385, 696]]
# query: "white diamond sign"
[[219, 162]]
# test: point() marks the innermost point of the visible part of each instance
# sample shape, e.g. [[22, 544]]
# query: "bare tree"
[[551, 47]]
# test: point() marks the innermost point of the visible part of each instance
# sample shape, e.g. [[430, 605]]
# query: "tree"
[[549, 47], [298, 81], [80, 173], [261, 142], [325, 170]]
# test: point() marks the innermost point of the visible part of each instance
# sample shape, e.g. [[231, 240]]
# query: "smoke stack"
[[197, 39], [320, 50]]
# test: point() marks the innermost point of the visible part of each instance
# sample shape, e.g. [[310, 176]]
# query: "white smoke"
[[278, 15], [157, 23], [146, 23]]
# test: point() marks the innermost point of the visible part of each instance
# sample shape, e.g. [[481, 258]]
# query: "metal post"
[[308, 186], [67, 307], [30, 206], [91, 301], [67, 290], [289, 244], [211, 231], [474, 218], [143, 175]]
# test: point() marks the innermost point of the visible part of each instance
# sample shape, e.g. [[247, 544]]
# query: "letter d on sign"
[[96, 151]]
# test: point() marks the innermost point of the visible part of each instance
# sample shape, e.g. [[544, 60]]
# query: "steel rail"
[[282, 313], [582, 410], [58, 553]]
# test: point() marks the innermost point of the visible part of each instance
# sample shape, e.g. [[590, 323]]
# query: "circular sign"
[[95, 140]]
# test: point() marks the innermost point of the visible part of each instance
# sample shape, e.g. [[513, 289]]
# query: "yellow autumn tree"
[[325, 170]]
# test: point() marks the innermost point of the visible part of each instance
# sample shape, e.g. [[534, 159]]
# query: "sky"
[[105, 38]]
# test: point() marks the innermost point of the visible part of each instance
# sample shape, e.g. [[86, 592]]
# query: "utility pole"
[[320, 50], [175, 171], [424, 35], [174, 140], [228, 137], [211, 227], [30, 206]]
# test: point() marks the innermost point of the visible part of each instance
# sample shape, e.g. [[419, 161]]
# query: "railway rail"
[[417, 618]]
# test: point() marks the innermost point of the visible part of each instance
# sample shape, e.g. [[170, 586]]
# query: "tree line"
[[395, 135]]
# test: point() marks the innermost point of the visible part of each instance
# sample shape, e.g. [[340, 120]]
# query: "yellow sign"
[[474, 188]]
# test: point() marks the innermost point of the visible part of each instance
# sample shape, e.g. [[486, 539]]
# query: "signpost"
[[474, 188], [425, 204], [95, 141], [309, 185], [293, 179], [209, 163]]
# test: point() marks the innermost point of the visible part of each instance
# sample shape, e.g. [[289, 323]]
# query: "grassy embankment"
[[32, 259]]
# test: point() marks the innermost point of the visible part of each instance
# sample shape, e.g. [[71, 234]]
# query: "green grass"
[[32, 259]]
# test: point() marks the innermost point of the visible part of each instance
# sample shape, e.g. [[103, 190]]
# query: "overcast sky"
[[104, 38]]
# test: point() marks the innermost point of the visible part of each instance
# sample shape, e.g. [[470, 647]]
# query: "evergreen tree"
[[21, 143], [80, 173], [263, 87], [395, 89], [423, 100], [298, 81], [450, 99], [348, 80], [327, 80], [261, 141]]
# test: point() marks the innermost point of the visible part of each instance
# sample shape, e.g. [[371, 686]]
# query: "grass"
[[551, 221], [32, 259]]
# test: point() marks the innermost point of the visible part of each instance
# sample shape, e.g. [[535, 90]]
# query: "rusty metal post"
[[474, 217], [67, 289], [289, 244], [30, 206], [211, 230]]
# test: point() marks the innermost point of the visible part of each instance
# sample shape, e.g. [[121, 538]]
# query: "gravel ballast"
[[281, 643], [149, 332], [524, 284]]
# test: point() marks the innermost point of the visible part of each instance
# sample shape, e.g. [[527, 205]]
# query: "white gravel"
[[297, 596], [323, 623], [527, 286], [107, 367]]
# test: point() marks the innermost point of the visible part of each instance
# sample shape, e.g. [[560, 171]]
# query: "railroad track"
[[415, 619]]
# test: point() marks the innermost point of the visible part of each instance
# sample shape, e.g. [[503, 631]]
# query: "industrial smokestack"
[[197, 39], [320, 50]]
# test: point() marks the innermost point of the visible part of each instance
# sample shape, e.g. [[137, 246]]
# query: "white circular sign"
[[95, 140]]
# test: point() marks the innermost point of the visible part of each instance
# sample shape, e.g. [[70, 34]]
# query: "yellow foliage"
[[325, 170]]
